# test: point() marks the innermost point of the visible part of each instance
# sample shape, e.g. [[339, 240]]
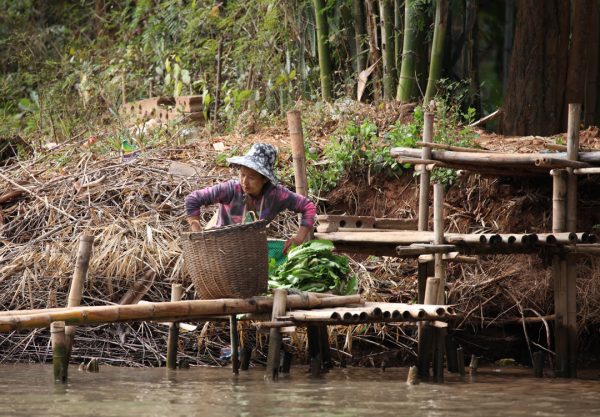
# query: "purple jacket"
[[233, 202]]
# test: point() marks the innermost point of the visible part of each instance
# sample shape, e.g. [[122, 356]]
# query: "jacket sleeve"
[[299, 204], [220, 193]]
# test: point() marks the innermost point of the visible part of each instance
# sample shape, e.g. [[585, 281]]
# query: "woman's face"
[[252, 182]]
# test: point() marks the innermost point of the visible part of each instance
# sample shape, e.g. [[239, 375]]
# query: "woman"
[[257, 190]]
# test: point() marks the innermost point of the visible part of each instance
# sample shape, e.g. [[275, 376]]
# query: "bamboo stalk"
[[449, 147], [421, 249], [538, 364], [298, 156], [329, 300], [460, 357], [425, 174], [560, 310], [586, 171], [235, 340], [59, 351], [273, 357], [163, 311], [82, 263], [559, 163], [559, 191], [173, 338], [426, 334], [438, 232], [590, 249], [571, 272]]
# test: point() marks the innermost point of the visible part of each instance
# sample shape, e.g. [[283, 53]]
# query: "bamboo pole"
[[424, 249], [559, 268], [560, 163], [538, 364], [273, 357], [519, 159], [82, 262], [412, 377], [586, 171], [460, 358], [438, 231], [59, 351], [298, 155], [571, 273], [426, 335], [449, 147], [425, 174], [164, 311], [173, 339], [474, 364], [235, 340], [245, 355], [572, 155]]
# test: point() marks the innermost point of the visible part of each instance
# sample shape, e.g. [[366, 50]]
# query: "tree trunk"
[[534, 98], [387, 45], [437, 49], [583, 58], [360, 35], [398, 34], [509, 29], [472, 67], [323, 50], [407, 79], [374, 52]]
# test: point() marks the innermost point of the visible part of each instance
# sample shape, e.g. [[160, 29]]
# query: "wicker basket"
[[229, 261]]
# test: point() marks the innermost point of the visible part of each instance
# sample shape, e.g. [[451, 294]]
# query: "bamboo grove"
[[64, 63]]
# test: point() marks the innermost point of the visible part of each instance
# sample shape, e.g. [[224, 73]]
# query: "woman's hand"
[[194, 223], [297, 240], [292, 241]]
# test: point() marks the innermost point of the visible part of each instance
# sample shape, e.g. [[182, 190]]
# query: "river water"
[[28, 390]]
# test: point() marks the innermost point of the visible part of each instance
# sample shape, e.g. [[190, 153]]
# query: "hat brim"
[[252, 163]]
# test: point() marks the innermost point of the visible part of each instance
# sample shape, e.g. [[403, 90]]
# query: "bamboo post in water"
[[235, 340], [571, 275], [273, 357], [538, 364], [173, 340], [559, 217], [426, 331], [86, 241], [59, 351], [425, 269], [460, 359]]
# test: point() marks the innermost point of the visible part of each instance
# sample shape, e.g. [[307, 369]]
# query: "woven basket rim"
[[221, 229]]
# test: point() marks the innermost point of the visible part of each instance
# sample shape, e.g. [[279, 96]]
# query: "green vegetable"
[[313, 266]]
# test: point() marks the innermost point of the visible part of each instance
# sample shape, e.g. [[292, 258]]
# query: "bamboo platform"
[[412, 244]]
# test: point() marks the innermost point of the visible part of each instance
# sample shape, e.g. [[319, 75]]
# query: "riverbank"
[[133, 204]]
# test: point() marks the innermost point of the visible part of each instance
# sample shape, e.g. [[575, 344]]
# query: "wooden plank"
[[332, 223]]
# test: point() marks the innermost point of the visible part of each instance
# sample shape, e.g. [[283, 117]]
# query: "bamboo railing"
[[164, 311]]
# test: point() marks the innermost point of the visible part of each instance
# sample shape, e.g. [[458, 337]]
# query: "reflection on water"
[[28, 390]]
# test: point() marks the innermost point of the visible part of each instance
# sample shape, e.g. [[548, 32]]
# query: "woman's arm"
[[298, 239], [220, 193]]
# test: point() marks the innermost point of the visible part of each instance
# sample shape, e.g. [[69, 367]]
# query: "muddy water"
[[28, 390]]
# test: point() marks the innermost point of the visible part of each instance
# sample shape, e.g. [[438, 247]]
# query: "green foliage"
[[313, 266], [358, 150]]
